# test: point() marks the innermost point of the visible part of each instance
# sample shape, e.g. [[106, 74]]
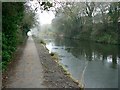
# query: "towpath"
[[28, 73]]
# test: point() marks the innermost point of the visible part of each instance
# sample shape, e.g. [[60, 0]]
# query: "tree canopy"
[[97, 21]]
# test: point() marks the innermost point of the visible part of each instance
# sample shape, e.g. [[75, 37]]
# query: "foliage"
[[90, 20], [16, 22], [17, 19], [29, 20], [46, 5], [12, 14]]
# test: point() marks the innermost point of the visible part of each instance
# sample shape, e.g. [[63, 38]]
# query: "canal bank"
[[54, 75], [91, 63]]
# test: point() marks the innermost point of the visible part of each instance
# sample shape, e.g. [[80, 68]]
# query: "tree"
[[90, 20]]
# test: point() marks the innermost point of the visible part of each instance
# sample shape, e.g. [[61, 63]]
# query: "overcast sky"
[[44, 17]]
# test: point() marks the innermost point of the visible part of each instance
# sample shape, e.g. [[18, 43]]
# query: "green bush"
[[15, 25], [12, 14]]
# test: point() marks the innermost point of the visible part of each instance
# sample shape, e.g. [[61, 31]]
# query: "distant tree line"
[[97, 21]]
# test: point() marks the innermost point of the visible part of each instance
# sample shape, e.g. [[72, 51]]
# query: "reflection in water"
[[102, 68]]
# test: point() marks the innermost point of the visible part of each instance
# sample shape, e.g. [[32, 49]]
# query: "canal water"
[[94, 65]]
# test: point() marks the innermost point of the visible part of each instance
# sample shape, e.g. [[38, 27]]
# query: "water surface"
[[93, 64]]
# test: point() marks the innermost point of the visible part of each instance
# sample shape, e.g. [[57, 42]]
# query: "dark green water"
[[100, 60]]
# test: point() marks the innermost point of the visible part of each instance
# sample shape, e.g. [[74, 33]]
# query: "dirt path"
[[28, 73]]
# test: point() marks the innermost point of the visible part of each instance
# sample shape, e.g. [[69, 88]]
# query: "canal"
[[94, 65]]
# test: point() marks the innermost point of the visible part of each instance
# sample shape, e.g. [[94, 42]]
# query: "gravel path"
[[28, 72]]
